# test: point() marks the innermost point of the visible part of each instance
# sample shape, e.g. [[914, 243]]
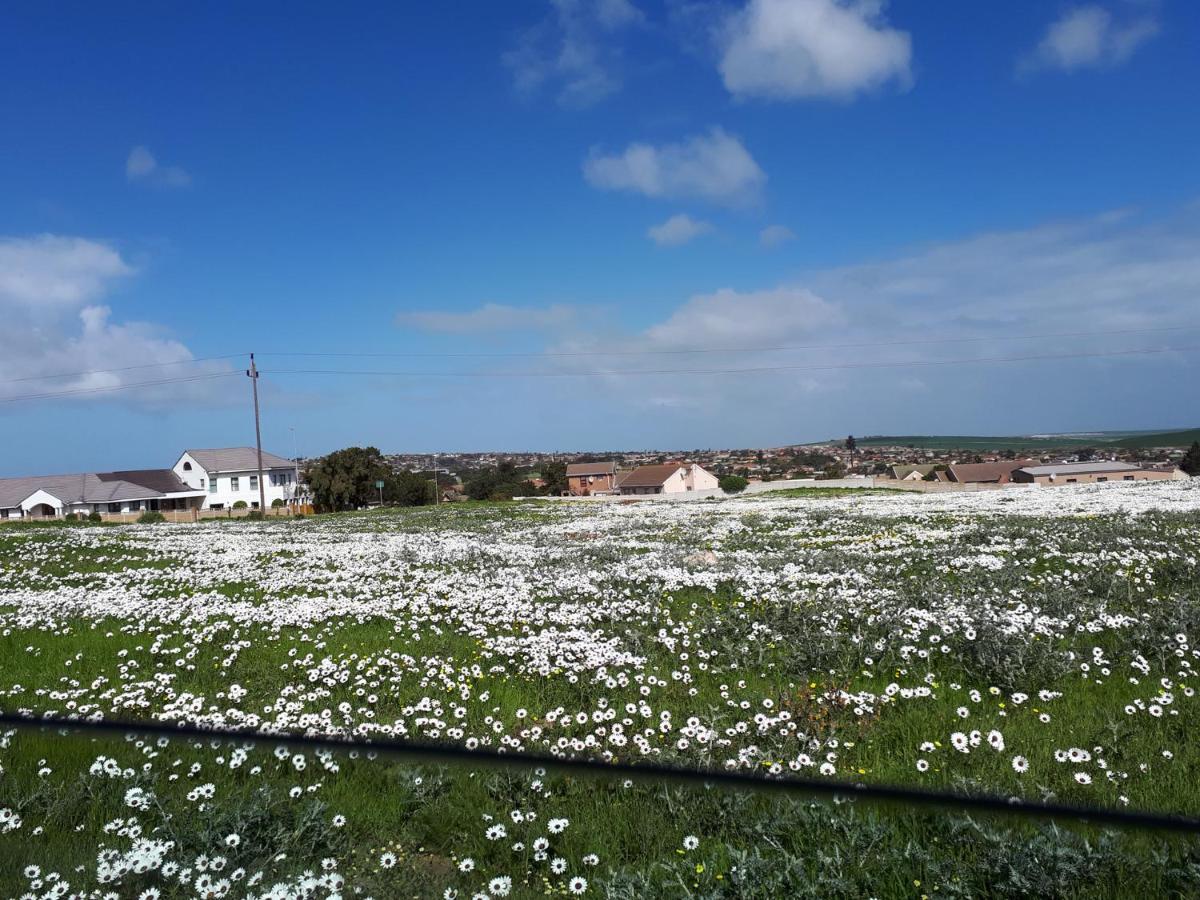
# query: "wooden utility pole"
[[262, 493]]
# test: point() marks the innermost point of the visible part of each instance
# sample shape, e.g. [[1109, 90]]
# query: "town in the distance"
[[239, 481]]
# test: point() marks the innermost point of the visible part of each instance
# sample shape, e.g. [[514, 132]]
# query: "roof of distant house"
[[905, 469], [989, 471], [607, 467], [96, 487], [1082, 468], [651, 476], [237, 459]]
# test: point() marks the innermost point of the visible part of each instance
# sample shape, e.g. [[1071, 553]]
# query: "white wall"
[[278, 484]]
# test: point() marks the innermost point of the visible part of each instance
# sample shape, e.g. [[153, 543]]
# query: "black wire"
[[646, 352], [744, 371], [117, 387], [178, 362], [441, 754]]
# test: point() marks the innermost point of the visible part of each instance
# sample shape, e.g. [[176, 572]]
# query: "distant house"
[[1087, 473], [230, 474], [50, 496], [911, 471], [1000, 472], [584, 479], [670, 478]]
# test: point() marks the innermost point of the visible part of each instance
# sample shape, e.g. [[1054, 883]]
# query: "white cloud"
[[1110, 272], [715, 167], [677, 230], [141, 166], [51, 272], [798, 49], [730, 318], [50, 288], [492, 317], [774, 235], [1088, 37], [572, 50]]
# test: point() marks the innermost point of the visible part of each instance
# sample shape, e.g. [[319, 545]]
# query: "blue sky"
[[931, 183]]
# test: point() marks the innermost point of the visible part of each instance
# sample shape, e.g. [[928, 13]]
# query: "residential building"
[[51, 496], [591, 478], [912, 471], [230, 474], [669, 478], [1087, 473], [999, 472]]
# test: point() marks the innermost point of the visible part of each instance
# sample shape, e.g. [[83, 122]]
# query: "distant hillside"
[[978, 442], [1159, 439], [1122, 439]]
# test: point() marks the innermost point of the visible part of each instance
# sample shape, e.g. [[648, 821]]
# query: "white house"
[[670, 478], [228, 475], [49, 496]]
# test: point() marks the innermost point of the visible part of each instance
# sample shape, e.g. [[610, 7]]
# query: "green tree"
[[1191, 460], [733, 484], [409, 489], [345, 479], [554, 474]]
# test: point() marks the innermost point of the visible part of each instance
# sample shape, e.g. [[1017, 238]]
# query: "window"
[[1072, 480], [114, 507], [187, 467], [216, 506], [1102, 478], [212, 486], [233, 483], [254, 482], [1127, 478]]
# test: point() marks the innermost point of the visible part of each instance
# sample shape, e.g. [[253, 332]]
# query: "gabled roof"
[[903, 470], [591, 468], [987, 472], [95, 487], [1083, 468], [237, 459], [651, 476]]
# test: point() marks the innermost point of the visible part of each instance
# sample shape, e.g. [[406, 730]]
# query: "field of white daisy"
[[1039, 644]]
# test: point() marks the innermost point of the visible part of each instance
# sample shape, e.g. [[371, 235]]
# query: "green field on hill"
[[1115, 439]]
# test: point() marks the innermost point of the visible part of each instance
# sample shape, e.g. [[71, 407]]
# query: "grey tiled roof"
[[237, 459], [94, 487], [1082, 468]]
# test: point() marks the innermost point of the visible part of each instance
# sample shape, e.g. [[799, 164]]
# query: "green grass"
[[752, 845]]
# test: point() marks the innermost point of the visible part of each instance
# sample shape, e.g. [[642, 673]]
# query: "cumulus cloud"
[[492, 317], [142, 167], [801, 49], [1088, 37], [572, 51], [677, 230], [774, 235], [962, 299], [52, 272], [744, 318], [51, 288], [714, 166]]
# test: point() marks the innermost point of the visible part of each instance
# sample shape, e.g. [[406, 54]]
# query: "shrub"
[[276, 503], [733, 484], [254, 514], [240, 504], [71, 517], [95, 517], [150, 517]]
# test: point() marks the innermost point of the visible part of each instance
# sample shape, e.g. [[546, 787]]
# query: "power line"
[[117, 387], [743, 371], [51, 395], [178, 362], [656, 773], [677, 351]]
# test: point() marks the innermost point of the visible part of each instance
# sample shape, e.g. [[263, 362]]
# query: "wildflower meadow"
[[1038, 644]]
